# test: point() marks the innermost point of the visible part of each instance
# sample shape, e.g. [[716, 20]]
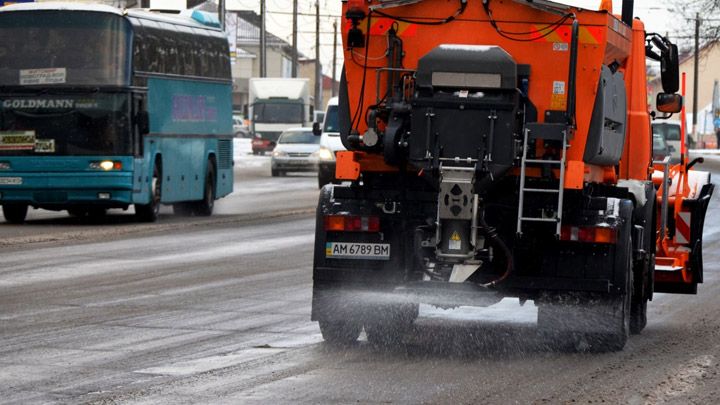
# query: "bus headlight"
[[106, 165], [4, 165]]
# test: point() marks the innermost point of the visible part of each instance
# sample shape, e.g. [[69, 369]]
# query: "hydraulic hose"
[[492, 234]]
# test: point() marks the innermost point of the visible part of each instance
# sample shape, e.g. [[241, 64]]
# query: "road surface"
[[218, 312]]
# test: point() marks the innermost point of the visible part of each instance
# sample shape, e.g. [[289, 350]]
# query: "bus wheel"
[[149, 212], [15, 213], [77, 212], [204, 207]]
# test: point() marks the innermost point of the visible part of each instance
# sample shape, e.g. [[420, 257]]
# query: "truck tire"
[[387, 325], [638, 308], [15, 213], [204, 207], [594, 322], [644, 269], [149, 212], [340, 332]]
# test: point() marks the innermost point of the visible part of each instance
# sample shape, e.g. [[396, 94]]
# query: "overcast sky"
[[279, 21]]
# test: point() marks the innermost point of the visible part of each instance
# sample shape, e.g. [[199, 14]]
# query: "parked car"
[[295, 152], [670, 131], [660, 147], [330, 144], [239, 128]]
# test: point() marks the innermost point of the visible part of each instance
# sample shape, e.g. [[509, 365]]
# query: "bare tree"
[[687, 12]]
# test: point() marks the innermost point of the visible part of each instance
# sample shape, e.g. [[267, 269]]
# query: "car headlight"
[[279, 153], [324, 154]]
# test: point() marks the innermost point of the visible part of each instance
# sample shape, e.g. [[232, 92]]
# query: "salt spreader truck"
[[503, 149]]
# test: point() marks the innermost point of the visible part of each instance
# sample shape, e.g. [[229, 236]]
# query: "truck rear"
[[502, 149]]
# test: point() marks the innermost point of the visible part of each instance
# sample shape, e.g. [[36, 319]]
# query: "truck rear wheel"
[[595, 322], [388, 324], [15, 213], [340, 332]]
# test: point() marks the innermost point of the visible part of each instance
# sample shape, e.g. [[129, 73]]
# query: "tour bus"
[[103, 108]]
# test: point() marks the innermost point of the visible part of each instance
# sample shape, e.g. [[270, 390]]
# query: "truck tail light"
[[589, 234], [352, 223]]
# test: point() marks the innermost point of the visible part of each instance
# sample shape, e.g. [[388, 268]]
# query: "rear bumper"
[[262, 145]]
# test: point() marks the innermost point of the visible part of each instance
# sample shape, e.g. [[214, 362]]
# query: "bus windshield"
[[276, 113], [65, 125], [41, 48]]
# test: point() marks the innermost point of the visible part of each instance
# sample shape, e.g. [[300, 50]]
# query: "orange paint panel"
[[574, 174], [346, 168], [548, 61]]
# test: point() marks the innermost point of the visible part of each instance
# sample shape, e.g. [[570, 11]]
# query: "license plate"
[[17, 140], [14, 181], [362, 251]]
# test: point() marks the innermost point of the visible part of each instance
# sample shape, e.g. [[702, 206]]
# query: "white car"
[[330, 144], [671, 130], [295, 151]]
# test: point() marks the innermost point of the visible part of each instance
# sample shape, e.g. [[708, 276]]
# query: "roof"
[[101, 8]]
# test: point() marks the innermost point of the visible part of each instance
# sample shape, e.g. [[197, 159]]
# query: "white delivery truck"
[[274, 105]]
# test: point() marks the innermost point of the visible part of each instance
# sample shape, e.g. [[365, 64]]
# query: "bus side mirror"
[[316, 129], [669, 69], [143, 122], [669, 103]]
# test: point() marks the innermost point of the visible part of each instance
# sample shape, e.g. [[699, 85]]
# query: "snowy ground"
[[243, 154]]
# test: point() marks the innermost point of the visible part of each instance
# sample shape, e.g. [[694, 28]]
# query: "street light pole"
[[294, 40], [696, 72], [263, 45], [334, 62], [318, 67]]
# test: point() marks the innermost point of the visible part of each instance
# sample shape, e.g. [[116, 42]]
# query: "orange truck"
[[502, 148]]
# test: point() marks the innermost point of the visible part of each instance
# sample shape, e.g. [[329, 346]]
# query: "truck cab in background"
[[276, 104]]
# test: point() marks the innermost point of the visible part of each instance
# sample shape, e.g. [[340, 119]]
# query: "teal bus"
[[105, 108]]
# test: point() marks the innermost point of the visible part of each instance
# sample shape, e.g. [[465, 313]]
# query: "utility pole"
[[263, 45], [334, 63], [695, 75], [318, 67], [221, 14], [294, 40]]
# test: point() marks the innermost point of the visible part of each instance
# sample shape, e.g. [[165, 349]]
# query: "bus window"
[[49, 41]]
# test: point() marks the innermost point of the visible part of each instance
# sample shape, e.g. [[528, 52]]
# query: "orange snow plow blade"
[[681, 213]]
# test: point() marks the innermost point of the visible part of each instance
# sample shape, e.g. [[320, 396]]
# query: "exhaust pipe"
[[627, 11]]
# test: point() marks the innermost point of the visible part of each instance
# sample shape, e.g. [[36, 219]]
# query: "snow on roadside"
[[242, 154]]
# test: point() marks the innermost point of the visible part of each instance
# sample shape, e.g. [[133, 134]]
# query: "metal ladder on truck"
[[534, 131]]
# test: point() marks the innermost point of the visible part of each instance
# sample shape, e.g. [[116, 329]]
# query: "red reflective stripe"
[[682, 227]]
